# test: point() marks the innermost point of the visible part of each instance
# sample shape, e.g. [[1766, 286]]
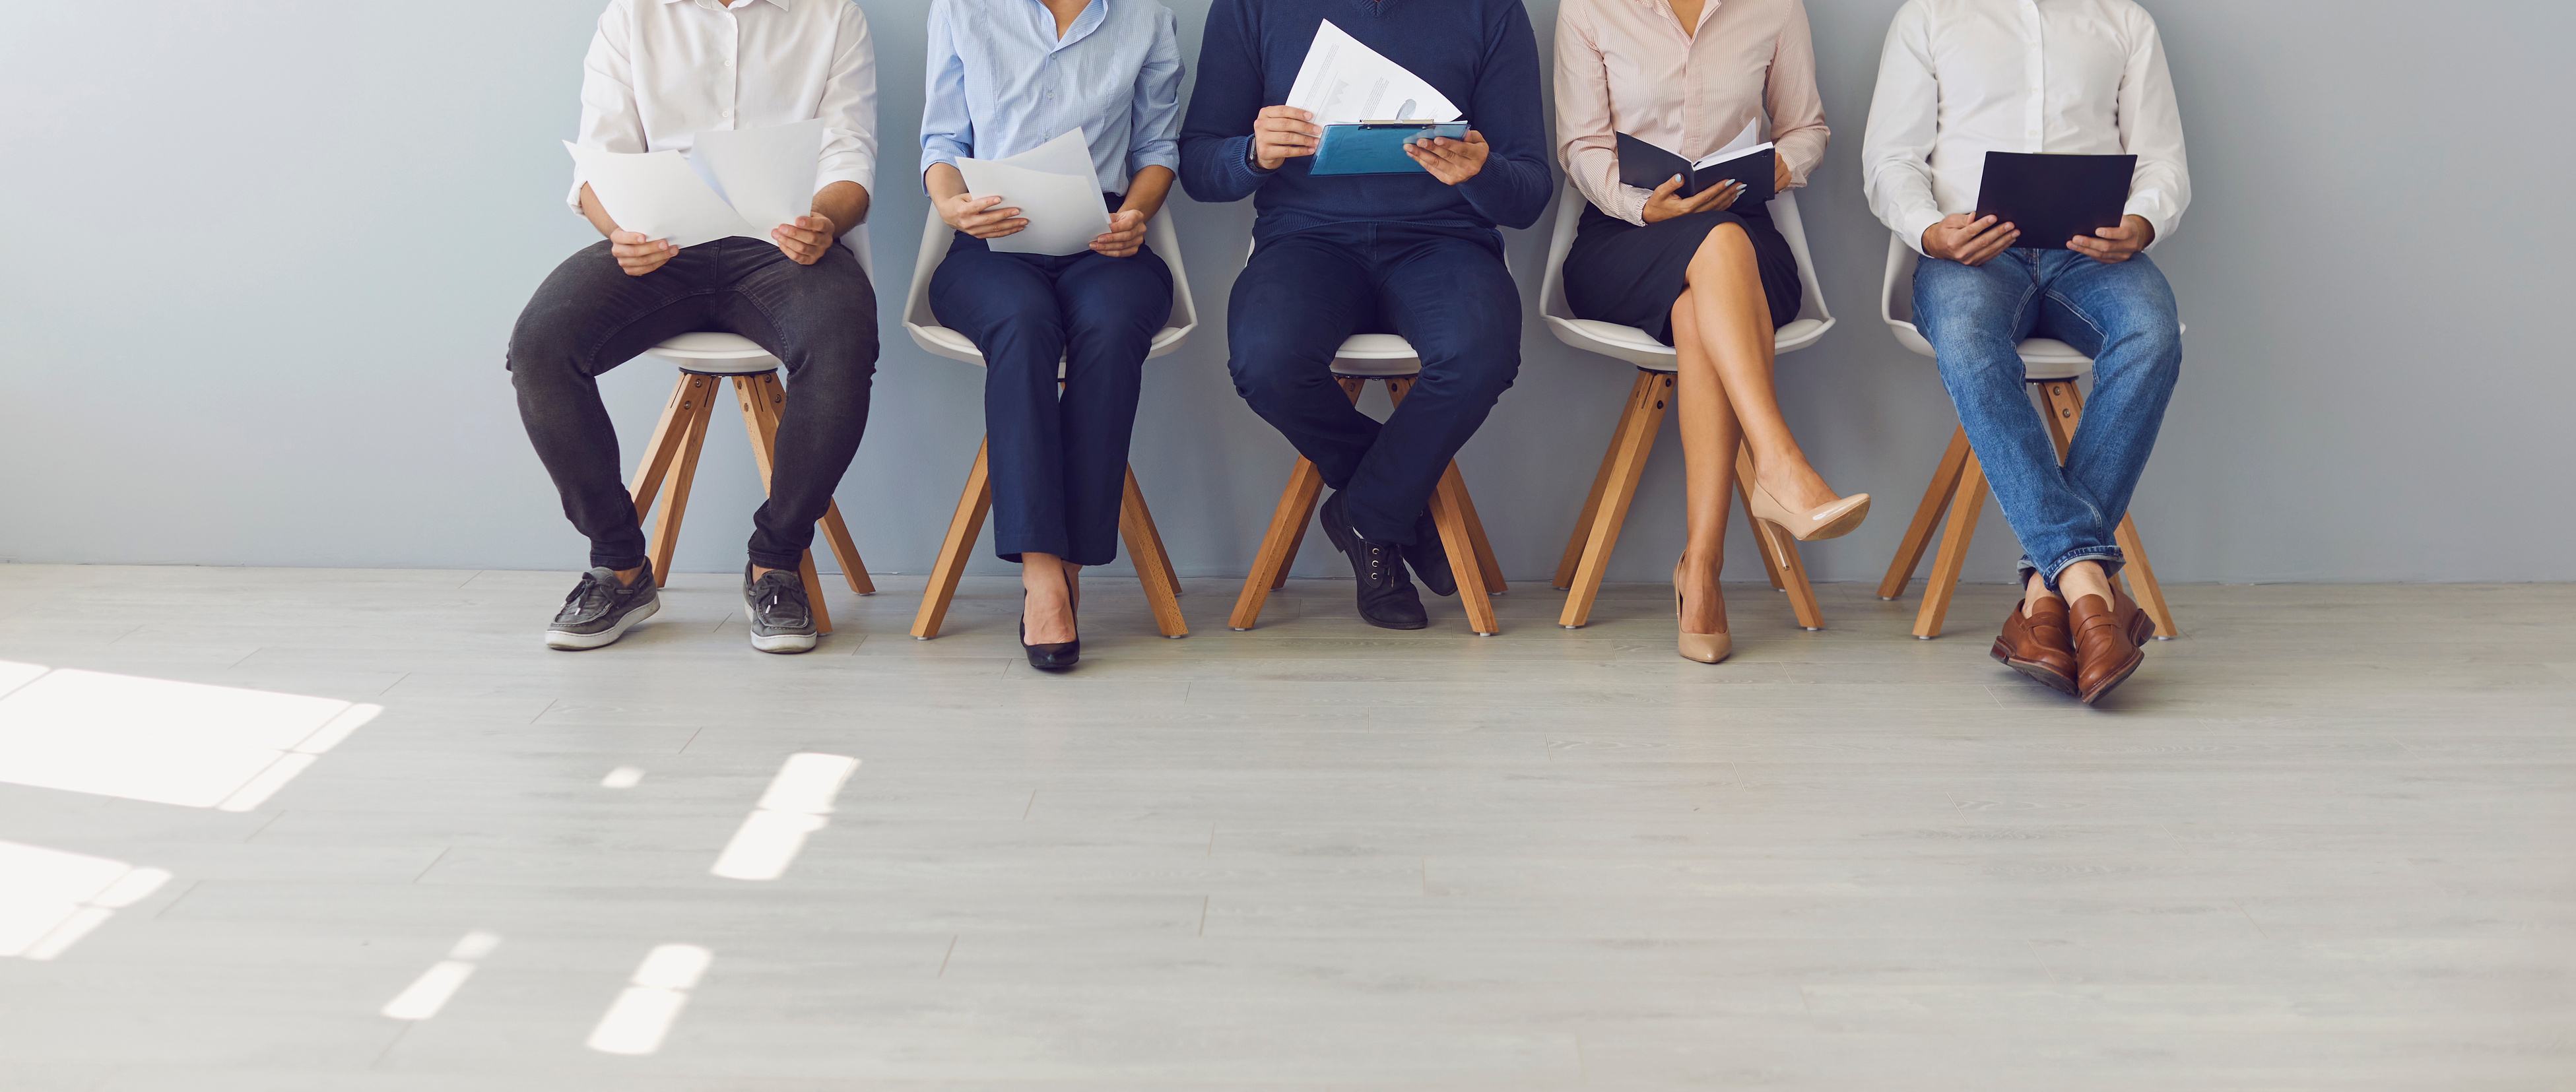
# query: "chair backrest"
[[1784, 215], [935, 236], [1896, 295]]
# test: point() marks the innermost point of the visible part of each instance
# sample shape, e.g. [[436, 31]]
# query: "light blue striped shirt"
[[1001, 83]]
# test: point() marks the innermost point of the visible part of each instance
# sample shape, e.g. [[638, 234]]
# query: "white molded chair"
[[1959, 485], [706, 359], [1614, 488], [1391, 359], [1135, 521]]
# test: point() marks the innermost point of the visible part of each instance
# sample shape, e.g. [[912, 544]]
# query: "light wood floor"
[[2327, 840]]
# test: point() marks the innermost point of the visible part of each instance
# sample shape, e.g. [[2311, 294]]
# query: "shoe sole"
[[2037, 671], [784, 644], [2104, 687], [1340, 538], [1842, 525], [582, 642]]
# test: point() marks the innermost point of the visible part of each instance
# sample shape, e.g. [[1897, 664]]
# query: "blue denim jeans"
[[2122, 316]]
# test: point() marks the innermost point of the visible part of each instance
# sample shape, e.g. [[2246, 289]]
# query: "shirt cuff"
[[572, 196], [1632, 204], [1912, 223], [863, 174], [2150, 207], [1168, 160]]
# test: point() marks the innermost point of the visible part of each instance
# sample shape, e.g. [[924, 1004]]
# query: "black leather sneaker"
[[1428, 558], [775, 607], [599, 609], [1387, 599]]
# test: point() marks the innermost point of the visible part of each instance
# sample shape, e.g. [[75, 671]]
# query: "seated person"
[[1960, 78], [658, 73], [1414, 254], [1704, 274], [1006, 76]]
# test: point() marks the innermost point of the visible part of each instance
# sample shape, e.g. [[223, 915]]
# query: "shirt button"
[[727, 115]]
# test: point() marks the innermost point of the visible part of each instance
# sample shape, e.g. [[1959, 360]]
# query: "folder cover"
[[1646, 166], [2053, 198], [1377, 147]]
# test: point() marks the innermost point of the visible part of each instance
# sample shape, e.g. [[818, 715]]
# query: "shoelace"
[[1378, 558], [769, 595], [591, 592]]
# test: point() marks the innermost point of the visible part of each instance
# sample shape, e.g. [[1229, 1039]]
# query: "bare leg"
[[2082, 579], [1048, 612], [1710, 436], [1734, 330], [2034, 593]]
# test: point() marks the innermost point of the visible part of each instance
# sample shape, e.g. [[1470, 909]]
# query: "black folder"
[[1646, 166], [2053, 198]]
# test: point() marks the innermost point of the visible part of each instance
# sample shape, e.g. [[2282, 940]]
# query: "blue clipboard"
[[1377, 147]]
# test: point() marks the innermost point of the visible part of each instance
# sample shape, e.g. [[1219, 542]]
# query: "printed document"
[[1342, 82], [1054, 187], [731, 182]]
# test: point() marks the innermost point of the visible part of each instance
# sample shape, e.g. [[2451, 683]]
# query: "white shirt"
[[662, 71], [1960, 78]]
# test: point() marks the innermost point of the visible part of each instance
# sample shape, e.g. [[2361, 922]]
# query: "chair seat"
[[709, 353], [961, 347], [1376, 355], [1637, 347]]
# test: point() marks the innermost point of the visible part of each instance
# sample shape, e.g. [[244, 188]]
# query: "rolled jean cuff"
[[2106, 556], [789, 562]]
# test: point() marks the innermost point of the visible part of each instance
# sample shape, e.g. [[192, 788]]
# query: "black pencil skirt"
[[1623, 273]]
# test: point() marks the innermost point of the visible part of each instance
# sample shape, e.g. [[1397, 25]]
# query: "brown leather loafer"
[[2038, 646], [2105, 653], [2133, 618]]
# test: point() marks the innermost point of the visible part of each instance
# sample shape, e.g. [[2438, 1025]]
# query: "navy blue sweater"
[[1480, 53]]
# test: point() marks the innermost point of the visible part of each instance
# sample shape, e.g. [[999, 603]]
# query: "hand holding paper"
[[1054, 189], [742, 183]]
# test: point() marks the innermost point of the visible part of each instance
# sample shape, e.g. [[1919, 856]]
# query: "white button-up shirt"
[[1960, 78], [662, 71]]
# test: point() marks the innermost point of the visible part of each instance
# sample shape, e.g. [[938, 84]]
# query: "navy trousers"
[[1444, 289], [1058, 460]]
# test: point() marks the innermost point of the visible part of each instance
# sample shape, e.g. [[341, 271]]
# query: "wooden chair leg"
[[1779, 552], [655, 467], [1288, 522], [1965, 506], [2064, 407], [1763, 533], [763, 394], [760, 426], [1486, 565], [1927, 515], [675, 489], [1153, 569], [1629, 449], [1581, 536], [1449, 514], [963, 526], [771, 398]]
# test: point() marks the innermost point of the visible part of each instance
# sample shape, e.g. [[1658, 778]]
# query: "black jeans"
[[820, 320]]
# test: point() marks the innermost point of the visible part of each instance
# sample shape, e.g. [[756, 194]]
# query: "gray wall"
[[261, 260]]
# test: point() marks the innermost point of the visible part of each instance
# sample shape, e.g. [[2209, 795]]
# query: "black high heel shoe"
[[1054, 657]]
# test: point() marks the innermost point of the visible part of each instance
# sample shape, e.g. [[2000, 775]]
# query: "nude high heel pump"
[[1832, 520], [1707, 648]]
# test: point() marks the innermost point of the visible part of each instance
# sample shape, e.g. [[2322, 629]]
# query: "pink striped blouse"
[[1626, 66]]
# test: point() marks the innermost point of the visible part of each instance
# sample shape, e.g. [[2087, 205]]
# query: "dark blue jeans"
[[2122, 316], [1444, 289], [1058, 460], [819, 320]]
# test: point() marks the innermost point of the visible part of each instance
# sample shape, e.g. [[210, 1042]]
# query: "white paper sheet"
[[656, 193], [766, 174], [733, 182], [1750, 140], [1342, 82], [1055, 189]]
